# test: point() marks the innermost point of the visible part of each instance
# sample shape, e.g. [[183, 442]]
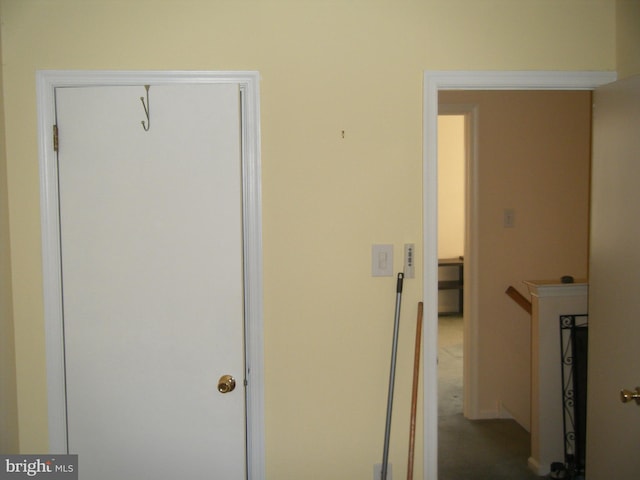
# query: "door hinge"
[[55, 138]]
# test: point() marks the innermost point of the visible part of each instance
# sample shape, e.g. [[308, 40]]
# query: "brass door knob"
[[226, 384], [628, 395]]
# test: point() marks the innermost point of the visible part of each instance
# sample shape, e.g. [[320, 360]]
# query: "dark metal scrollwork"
[[573, 338]]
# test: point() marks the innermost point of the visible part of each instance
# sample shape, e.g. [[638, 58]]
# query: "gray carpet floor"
[[479, 449]]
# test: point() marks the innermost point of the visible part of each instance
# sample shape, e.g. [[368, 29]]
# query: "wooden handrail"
[[519, 299]]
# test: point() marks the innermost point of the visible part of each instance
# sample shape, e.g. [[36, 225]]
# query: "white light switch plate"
[[509, 218], [382, 260]]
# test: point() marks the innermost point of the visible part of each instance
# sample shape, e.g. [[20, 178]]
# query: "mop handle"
[[414, 392], [392, 377]]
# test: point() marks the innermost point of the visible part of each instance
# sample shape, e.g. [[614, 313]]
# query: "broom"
[[414, 393]]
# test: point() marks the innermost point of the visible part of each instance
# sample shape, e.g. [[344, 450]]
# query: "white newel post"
[[549, 300]]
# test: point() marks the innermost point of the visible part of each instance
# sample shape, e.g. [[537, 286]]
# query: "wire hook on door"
[[146, 107]]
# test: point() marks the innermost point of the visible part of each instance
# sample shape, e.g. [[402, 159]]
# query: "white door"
[[152, 279], [613, 428]]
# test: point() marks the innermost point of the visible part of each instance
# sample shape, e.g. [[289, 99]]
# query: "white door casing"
[[464, 80], [252, 304]]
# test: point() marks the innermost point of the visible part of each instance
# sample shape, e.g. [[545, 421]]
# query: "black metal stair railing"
[[574, 336]]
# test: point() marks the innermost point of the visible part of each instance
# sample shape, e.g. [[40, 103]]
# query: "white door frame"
[[435, 81], [248, 83]]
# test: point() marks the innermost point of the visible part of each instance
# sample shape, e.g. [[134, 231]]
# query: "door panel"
[[613, 428], [151, 240]]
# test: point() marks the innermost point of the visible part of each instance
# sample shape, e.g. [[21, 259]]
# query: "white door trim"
[[248, 82], [463, 80]]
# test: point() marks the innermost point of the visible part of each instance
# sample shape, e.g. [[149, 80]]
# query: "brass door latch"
[[628, 395]]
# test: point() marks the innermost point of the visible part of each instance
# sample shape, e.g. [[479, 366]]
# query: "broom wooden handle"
[[414, 393]]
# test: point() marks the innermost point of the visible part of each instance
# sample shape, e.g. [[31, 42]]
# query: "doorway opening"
[[457, 210], [451, 246], [433, 83], [469, 444]]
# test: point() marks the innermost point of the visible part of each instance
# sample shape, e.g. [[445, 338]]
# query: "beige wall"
[[627, 37], [451, 184], [8, 405], [534, 155], [451, 198], [326, 66]]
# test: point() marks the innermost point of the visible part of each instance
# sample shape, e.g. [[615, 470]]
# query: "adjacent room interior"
[[517, 214]]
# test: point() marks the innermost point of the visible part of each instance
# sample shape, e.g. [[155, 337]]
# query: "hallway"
[[481, 449]]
